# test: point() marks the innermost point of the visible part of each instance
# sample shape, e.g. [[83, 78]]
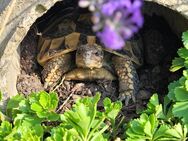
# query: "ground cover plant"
[[26, 117], [167, 121]]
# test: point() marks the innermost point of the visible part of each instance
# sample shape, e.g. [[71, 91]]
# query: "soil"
[[154, 74]]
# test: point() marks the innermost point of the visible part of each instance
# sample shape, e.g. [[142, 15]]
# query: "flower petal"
[[84, 3], [111, 38]]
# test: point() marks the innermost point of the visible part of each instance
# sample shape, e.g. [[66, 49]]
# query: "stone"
[[16, 18]]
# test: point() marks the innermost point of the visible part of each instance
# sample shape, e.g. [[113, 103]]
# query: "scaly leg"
[[128, 79], [54, 69]]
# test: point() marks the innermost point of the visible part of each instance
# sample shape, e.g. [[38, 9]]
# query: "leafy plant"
[[152, 126], [85, 123], [178, 90], [33, 110], [82, 122], [167, 122], [27, 116], [182, 60], [5, 129]]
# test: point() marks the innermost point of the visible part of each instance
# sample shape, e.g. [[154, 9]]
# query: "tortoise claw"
[[127, 96]]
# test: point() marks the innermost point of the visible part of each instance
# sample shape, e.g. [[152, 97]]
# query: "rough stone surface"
[[180, 6], [17, 16], [175, 12]]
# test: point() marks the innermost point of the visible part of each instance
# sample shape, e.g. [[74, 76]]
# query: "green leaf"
[[177, 64], [39, 130], [80, 119], [160, 133], [111, 109], [24, 106], [135, 139], [136, 125], [167, 108], [25, 133], [5, 129], [62, 134], [185, 39], [154, 100], [186, 85], [14, 102], [185, 73], [154, 123], [182, 81], [36, 107], [179, 110], [82, 115], [181, 94], [183, 53], [34, 97], [53, 100], [48, 101], [186, 64], [44, 100], [151, 126], [177, 132], [86, 120], [53, 116], [171, 87], [147, 129], [153, 107], [44, 114], [29, 119]]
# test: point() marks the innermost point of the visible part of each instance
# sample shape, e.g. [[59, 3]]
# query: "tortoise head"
[[89, 56]]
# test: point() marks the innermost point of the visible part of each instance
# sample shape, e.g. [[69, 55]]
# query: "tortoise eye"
[[97, 53]]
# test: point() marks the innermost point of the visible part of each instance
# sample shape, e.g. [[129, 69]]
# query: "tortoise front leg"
[[54, 69], [128, 79]]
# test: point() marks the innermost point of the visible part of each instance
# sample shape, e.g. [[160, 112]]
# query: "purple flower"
[[137, 18], [111, 38], [111, 6], [90, 3], [115, 20]]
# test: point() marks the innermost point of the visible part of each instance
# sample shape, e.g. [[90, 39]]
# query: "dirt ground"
[[160, 46]]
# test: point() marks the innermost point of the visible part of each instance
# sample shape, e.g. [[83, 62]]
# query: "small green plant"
[[153, 126], [168, 121], [178, 90], [182, 60], [83, 122]]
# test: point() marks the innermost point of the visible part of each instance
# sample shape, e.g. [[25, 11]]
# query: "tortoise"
[[74, 54]]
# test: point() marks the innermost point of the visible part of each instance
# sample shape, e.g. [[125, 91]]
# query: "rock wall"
[[181, 6], [17, 16], [174, 11]]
